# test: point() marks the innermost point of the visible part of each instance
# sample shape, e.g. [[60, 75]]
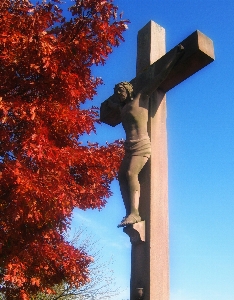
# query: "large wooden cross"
[[150, 238]]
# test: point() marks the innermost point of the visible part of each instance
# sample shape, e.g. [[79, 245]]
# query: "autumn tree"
[[45, 171]]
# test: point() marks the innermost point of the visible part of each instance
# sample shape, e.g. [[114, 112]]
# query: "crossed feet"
[[129, 220]]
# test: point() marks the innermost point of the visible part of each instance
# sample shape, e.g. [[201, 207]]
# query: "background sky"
[[200, 147]]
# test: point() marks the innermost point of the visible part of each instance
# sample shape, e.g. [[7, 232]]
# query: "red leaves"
[[44, 170], [47, 258]]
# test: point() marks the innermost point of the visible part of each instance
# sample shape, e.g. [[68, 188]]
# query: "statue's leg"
[[123, 183], [130, 187], [135, 166]]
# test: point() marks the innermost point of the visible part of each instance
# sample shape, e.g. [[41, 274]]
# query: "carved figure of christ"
[[134, 118]]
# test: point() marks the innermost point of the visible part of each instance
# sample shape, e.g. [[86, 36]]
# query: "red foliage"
[[45, 172]]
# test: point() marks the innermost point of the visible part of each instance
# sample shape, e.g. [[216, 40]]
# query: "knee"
[[131, 176], [126, 175]]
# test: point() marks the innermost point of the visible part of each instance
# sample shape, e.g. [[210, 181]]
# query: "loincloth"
[[140, 147]]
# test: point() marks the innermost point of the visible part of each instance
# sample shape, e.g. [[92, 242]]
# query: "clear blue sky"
[[201, 153]]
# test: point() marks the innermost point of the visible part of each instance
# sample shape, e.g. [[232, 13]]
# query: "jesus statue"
[[134, 117]]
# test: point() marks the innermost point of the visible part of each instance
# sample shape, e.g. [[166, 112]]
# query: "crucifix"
[[146, 221]]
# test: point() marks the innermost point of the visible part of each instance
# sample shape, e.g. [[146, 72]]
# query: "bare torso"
[[134, 116]]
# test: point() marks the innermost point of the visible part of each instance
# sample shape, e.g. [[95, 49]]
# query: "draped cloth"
[[141, 147]]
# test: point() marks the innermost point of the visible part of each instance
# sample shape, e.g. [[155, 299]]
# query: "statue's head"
[[124, 90]]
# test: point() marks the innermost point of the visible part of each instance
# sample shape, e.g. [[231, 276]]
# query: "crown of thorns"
[[127, 85]]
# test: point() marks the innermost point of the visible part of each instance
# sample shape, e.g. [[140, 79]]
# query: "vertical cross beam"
[[150, 263]]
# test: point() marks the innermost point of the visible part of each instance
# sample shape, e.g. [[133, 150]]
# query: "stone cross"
[[150, 238]]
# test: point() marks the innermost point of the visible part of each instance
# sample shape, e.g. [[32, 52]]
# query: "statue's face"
[[122, 93]]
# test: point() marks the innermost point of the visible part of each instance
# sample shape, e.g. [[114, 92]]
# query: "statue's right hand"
[[111, 104], [180, 48]]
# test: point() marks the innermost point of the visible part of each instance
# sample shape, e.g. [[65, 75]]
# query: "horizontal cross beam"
[[199, 52]]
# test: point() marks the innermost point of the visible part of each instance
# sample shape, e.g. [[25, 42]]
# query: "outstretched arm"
[[155, 82]]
